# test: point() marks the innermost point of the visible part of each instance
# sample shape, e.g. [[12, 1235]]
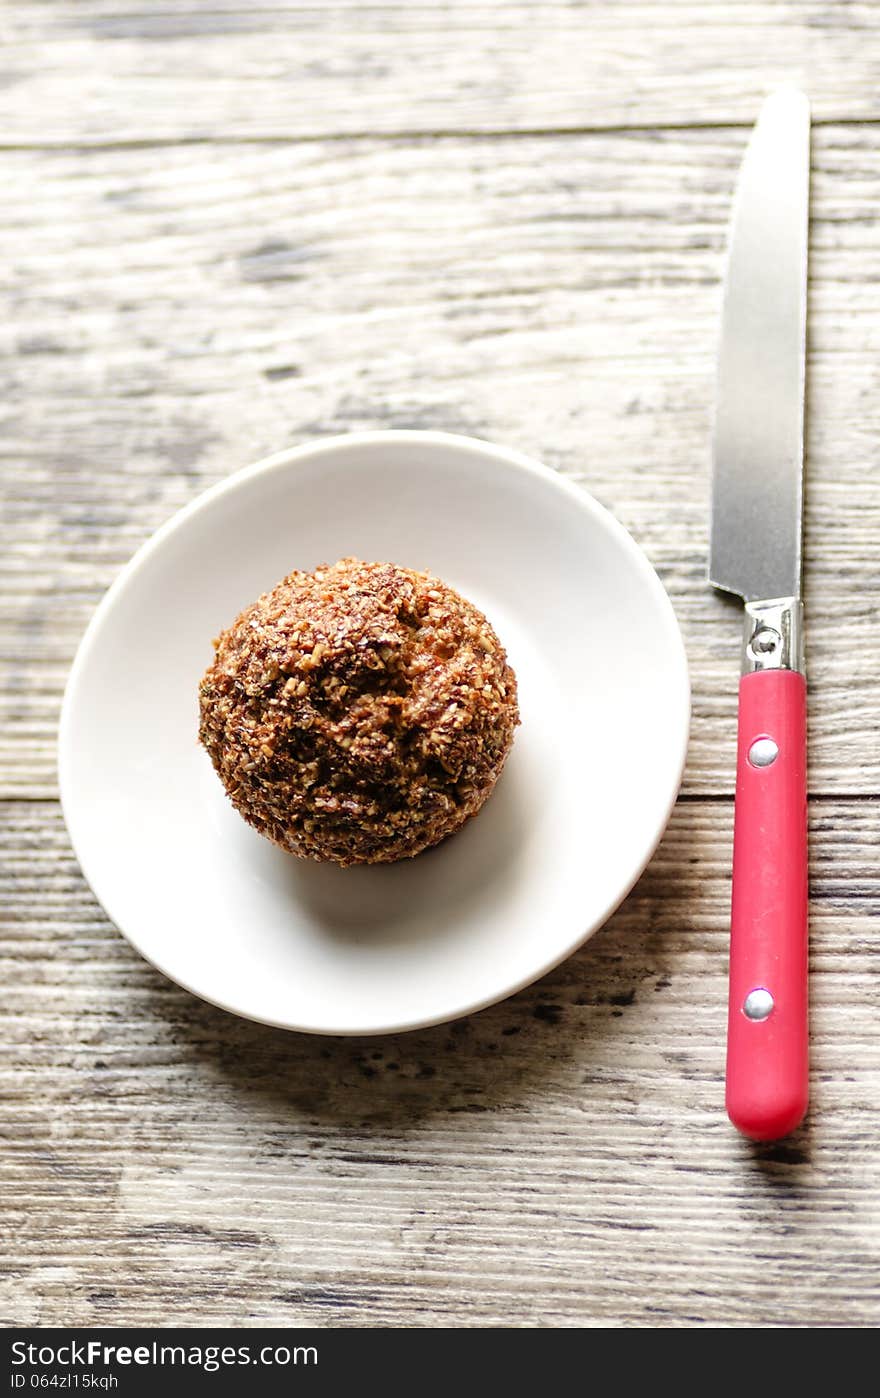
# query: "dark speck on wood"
[[550, 1013], [282, 371], [276, 262], [622, 997]]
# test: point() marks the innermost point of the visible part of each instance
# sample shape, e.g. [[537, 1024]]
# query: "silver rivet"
[[763, 752], [758, 1004], [765, 640]]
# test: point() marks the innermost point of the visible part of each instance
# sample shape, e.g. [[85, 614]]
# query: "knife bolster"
[[773, 638]]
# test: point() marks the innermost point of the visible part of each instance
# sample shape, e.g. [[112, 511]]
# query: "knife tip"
[[789, 98]]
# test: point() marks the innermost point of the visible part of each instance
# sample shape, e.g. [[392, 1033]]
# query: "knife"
[[755, 552]]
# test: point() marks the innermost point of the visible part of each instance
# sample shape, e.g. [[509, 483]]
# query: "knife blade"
[[755, 551], [757, 492]]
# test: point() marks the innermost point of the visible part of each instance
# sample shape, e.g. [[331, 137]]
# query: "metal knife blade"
[[757, 483]]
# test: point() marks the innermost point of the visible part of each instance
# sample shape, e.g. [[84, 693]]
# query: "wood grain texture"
[[226, 231], [560, 1159], [100, 72], [170, 320]]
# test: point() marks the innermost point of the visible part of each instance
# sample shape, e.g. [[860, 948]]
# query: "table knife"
[[755, 552]]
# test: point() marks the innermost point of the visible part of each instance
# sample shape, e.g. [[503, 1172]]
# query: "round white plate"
[[578, 811]]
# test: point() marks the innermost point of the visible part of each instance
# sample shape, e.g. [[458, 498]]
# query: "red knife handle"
[[767, 1033]]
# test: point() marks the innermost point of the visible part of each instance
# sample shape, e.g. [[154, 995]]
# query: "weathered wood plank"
[[168, 321], [86, 70], [172, 311], [561, 1159]]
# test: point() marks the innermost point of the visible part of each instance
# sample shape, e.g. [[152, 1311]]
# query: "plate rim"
[[477, 446]]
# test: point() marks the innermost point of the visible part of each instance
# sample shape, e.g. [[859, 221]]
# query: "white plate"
[[578, 811]]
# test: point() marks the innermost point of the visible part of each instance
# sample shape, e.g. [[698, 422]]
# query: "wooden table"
[[228, 229]]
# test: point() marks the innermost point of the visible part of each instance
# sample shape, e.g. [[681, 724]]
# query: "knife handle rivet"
[[763, 752], [773, 635], [758, 1004], [765, 641]]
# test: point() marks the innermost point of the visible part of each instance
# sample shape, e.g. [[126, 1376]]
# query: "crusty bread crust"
[[358, 713]]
